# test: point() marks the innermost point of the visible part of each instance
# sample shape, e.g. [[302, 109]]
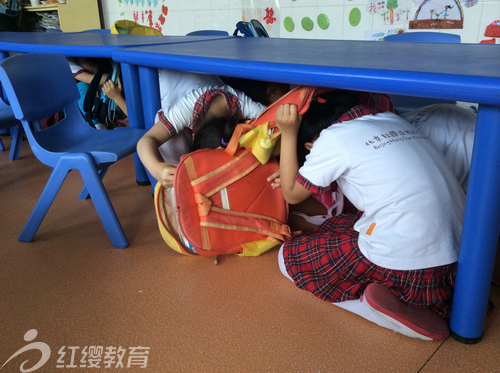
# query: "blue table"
[[464, 72], [85, 44]]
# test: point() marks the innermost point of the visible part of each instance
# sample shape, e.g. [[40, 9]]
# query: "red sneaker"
[[404, 318]]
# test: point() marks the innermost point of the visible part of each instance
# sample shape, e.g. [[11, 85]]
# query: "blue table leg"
[[150, 88], [133, 96], [480, 231]]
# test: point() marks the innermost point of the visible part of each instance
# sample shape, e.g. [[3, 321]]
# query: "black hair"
[[213, 133], [322, 112], [257, 90]]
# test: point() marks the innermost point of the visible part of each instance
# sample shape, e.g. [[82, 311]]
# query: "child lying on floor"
[[398, 253]]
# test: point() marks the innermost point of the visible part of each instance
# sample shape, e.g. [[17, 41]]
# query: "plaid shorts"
[[329, 264]]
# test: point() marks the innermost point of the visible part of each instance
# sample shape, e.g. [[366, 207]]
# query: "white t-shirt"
[[174, 85], [413, 205], [451, 128], [74, 66], [180, 117]]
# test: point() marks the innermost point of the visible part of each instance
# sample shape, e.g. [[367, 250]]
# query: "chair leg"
[[16, 133], [104, 208], [84, 194], [44, 202], [96, 190], [2, 147]]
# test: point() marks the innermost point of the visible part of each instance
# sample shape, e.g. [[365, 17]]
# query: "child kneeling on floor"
[[394, 260]]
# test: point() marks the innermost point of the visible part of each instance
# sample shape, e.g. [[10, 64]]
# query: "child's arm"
[[288, 122], [147, 148], [87, 77], [115, 93]]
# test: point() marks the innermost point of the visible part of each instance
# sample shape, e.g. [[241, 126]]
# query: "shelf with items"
[[74, 15], [40, 8]]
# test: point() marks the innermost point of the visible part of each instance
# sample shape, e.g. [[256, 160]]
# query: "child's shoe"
[[404, 318]]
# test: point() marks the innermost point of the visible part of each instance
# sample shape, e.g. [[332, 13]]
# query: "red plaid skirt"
[[329, 264]]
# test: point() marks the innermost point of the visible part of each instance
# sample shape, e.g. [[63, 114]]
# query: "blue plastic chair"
[[69, 144], [10, 124], [404, 104], [98, 31], [423, 37], [208, 33]]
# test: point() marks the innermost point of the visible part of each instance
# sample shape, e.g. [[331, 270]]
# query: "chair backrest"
[[208, 33], [34, 96], [7, 118], [423, 37], [403, 103], [98, 31], [37, 78]]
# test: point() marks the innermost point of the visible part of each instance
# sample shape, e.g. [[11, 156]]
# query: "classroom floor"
[[187, 315]]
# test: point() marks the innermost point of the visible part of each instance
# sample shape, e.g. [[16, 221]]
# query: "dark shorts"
[[329, 264]]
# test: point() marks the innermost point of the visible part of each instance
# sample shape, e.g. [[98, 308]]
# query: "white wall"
[[329, 19]]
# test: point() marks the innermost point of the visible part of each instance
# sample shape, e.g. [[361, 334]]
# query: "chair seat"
[[103, 147]]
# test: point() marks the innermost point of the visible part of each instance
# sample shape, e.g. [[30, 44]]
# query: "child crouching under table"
[[392, 260]]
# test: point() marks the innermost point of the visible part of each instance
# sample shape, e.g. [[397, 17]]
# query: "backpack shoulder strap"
[[257, 29], [88, 102], [261, 135], [207, 185]]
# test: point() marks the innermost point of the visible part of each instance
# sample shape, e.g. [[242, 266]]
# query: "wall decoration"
[[149, 12], [307, 23], [338, 19], [438, 14], [323, 21], [469, 3], [265, 11], [392, 11], [289, 24], [379, 35], [492, 31], [354, 17]]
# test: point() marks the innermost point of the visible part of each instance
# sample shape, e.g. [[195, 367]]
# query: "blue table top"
[[83, 44], [466, 72]]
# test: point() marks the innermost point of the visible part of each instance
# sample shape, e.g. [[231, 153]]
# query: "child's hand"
[[166, 176], [287, 118], [275, 180], [112, 90]]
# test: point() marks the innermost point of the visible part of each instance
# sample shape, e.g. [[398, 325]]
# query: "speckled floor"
[[185, 314]]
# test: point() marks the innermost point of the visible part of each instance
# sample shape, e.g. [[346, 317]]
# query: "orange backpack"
[[222, 204]]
